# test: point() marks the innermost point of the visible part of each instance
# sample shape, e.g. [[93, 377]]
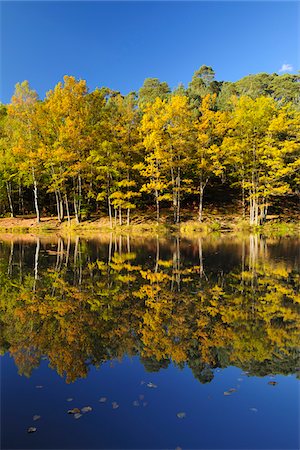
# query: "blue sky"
[[119, 44]]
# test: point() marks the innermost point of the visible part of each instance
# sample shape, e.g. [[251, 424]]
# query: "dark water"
[[193, 344]]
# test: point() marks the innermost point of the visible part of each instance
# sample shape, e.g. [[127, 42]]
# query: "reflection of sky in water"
[[257, 415], [212, 419]]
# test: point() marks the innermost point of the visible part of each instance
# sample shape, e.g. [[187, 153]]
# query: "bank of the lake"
[[145, 225]]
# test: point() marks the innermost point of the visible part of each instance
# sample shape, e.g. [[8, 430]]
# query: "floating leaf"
[[31, 430], [227, 393], [231, 390], [39, 386], [272, 383], [181, 415], [136, 403], [151, 385], [77, 416], [254, 409], [36, 417], [115, 405], [69, 399], [74, 411], [102, 399], [86, 409]]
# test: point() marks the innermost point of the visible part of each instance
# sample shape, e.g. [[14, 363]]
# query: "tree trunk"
[[11, 207], [174, 195], [67, 209], [243, 199], [35, 193], [75, 208], [109, 211], [200, 204], [79, 197], [57, 205], [178, 182], [21, 201], [61, 206], [157, 206], [120, 216]]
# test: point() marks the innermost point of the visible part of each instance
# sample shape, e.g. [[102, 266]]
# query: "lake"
[[126, 343]]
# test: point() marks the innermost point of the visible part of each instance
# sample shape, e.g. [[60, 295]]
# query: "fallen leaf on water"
[[181, 415], [31, 430], [102, 399], [136, 403], [231, 390], [36, 417], [86, 409], [254, 409], [69, 399], [272, 383], [74, 411], [115, 405], [152, 385], [77, 416], [39, 387], [227, 393]]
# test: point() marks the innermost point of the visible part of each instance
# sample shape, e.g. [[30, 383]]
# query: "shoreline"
[[221, 224]]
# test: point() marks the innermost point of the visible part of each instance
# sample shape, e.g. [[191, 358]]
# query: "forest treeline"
[[78, 153]]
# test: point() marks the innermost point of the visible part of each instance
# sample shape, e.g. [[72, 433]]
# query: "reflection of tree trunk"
[[68, 251], [109, 248], [128, 217], [243, 262], [36, 262], [76, 249], [253, 251], [128, 243], [10, 261], [200, 258], [60, 254], [157, 254], [176, 265]]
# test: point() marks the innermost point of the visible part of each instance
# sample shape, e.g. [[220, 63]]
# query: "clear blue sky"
[[119, 44]]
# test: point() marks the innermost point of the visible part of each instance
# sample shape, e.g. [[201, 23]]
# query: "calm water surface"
[[187, 343]]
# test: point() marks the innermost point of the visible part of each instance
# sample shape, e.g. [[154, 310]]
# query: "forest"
[[80, 153]]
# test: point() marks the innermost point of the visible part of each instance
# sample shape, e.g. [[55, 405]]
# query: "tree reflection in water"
[[205, 303]]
